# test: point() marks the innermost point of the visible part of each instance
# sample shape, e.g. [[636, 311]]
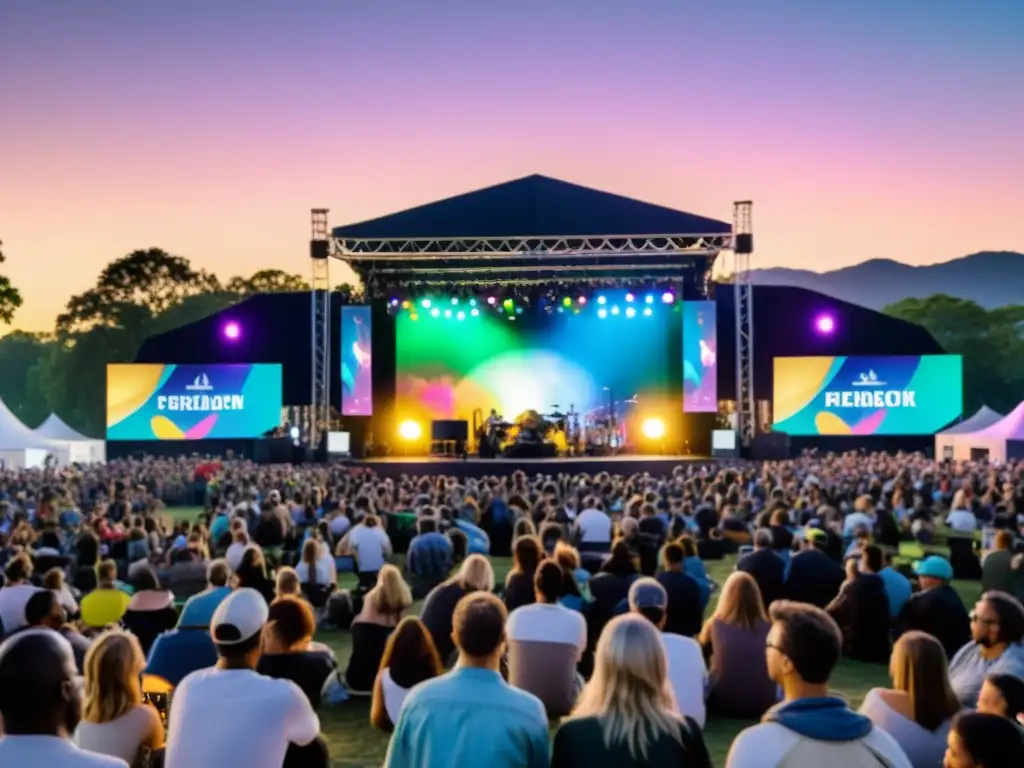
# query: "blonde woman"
[[918, 709], [383, 608], [114, 721], [475, 575], [626, 714], [733, 640]]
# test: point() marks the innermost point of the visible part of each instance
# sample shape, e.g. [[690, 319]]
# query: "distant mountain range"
[[990, 278]]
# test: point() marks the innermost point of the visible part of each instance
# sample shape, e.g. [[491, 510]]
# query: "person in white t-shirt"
[[593, 527], [229, 714], [41, 704], [15, 594], [545, 621], [371, 546], [687, 671]]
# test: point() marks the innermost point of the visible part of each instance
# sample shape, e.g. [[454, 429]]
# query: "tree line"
[[134, 297]]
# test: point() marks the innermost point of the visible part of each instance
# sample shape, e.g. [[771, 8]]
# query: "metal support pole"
[[742, 247], [320, 327]]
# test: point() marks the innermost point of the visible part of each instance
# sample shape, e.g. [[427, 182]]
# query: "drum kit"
[[570, 432]]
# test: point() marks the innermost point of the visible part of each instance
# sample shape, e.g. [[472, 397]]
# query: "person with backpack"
[[810, 727]]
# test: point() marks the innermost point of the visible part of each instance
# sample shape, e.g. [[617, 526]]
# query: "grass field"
[[354, 744]]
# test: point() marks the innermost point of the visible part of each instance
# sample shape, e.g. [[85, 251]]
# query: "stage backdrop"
[[192, 402], [867, 395], [700, 357], [356, 362], [447, 367]]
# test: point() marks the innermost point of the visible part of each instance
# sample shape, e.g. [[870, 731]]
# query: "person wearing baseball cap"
[[687, 671], [937, 609], [229, 714]]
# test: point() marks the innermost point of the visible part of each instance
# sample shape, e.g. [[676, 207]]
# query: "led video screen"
[[356, 362], [867, 395], [454, 359], [700, 357], [192, 402]]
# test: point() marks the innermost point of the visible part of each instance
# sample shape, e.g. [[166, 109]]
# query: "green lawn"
[[354, 744]]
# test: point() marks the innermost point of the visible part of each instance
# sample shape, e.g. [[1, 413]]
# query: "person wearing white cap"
[[687, 670], [229, 715]]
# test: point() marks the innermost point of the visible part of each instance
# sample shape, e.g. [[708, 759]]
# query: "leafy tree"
[[267, 281], [19, 351], [990, 341], [133, 290], [10, 299]]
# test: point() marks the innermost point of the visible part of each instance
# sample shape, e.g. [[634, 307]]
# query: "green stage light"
[[508, 304], [425, 303], [435, 312], [566, 302]]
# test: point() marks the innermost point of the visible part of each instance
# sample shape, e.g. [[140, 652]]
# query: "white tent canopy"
[[985, 417], [81, 449], [998, 440], [21, 447]]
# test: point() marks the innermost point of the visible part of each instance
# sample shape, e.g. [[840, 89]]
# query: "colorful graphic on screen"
[[356, 362], [497, 358], [192, 402], [867, 395], [700, 357]]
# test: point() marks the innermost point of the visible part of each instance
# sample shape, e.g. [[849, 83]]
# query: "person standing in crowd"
[[686, 598], [687, 672], [978, 740], [229, 714], [508, 727], [997, 628], [937, 609], [626, 715], [765, 566], [861, 609], [810, 727], [734, 640], [918, 709], [40, 704], [114, 720]]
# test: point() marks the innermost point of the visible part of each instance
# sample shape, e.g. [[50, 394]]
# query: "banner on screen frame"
[[912, 395], [192, 402], [700, 357], [356, 362]]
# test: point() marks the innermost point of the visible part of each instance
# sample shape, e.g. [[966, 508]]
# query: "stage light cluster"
[[611, 303]]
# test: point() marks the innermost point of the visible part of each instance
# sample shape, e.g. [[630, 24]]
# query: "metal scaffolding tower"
[[320, 318], [742, 247]]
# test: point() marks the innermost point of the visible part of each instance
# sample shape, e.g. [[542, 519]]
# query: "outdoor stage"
[[395, 466]]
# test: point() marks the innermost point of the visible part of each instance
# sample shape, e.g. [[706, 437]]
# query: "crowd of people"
[[131, 641]]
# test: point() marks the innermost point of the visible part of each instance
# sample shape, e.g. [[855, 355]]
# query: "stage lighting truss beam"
[[320, 320], [742, 247]]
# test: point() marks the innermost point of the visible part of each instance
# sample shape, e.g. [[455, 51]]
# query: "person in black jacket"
[[937, 609], [813, 576], [862, 609], [765, 566], [685, 614]]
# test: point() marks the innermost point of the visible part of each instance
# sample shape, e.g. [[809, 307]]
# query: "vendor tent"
[[82, 449], [998, 441], [945, 440], [21, 447]]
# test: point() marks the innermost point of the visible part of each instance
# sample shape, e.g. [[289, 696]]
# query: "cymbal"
[[555, 415]]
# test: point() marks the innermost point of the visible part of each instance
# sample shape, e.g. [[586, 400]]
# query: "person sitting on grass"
[[410, 658], [105, 605], [508, 727], [997, 629], [1003, 695], [809, 727]]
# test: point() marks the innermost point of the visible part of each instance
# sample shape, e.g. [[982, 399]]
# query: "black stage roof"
[[534, 206]]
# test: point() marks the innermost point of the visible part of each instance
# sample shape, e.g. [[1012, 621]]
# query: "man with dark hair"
[[809, 727], [229, 714], [997, 630], [687, 597], [545, 621], [15, 593], [40, 704], [861, 609], [44, 611], [765, 566], [687, 671], [813, 577], [471, 717]]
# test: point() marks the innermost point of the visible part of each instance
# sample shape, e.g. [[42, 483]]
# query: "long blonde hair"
[[740, 605], [629, 691], [918, 667], [391, 595], [476, 574], [113, 664]]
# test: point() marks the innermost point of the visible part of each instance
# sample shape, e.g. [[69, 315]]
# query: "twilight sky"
[[860, 129]]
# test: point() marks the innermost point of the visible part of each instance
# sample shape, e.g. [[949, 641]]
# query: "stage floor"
[[393, 466]]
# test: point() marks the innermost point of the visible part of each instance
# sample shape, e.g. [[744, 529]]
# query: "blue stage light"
[[615, 310], [602, 313], [629, 298], [648, 299], [601, 299], [630, 312], [648, 312]]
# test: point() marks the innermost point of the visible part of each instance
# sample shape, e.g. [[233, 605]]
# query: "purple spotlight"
[[668, 297], [825, 324], [232, 331]]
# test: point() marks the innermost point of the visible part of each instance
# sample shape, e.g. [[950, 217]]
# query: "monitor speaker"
[[450, 431]]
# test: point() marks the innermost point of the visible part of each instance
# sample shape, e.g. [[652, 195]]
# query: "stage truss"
[[525, 260]]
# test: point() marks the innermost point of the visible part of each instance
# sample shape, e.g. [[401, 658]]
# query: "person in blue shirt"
[[897, 586], [198, 611], [429, 559], [471, 717]]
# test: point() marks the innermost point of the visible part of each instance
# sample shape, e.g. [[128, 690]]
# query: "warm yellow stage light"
[[653, 429], [410, 430]]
